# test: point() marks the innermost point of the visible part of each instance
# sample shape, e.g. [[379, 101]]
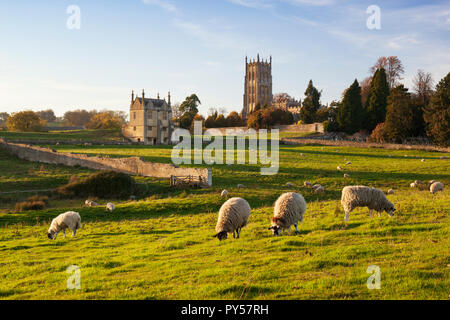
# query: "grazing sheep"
[[224, 193], [288, 210], [390, 155], [90, 203], [423, 160], [431, 182], [436, 187], [443, 158], [390, 191], [339, 168], [319, 189], [348, 163], [290, 185], [240, 186], [307, 184], [110, 207], [302, 154], [361, 196], [71, 220], [413, 185], [233, 216], [346, 175]]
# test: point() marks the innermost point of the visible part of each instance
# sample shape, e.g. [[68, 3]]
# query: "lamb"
[[224, 193], [90, 203], [390, 191], [290, 185], [436, 187], [233, 216], [71, 220], [361, 196], [110, 207], [289, 209], [240, 186]]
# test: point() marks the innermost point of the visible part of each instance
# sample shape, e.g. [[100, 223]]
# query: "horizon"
[[191, 46]]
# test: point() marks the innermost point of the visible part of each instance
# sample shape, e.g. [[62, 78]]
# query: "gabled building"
[[150, 120]]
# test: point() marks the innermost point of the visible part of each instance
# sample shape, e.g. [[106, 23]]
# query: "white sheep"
[[233, 216], [319, 189], [436, 187], [390, 191], [71, 220], [346, 175], [423, 160], [240, 186], [348, 163], [443, 158], [361, 196], [307, 184], [290, 185], [339, 168], [224, 193], [110, 207], [289, 209], [90, 203]]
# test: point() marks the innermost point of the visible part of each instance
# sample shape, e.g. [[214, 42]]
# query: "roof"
[[149, 102]]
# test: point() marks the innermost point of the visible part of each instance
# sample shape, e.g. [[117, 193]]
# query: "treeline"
[[30, 121]]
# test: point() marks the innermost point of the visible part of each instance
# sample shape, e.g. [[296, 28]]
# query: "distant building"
[[258, 85], [150, 120], [289, 104]]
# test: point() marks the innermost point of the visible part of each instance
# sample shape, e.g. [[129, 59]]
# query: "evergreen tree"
[[351, 113], [310, 104], [399, 115], [437, 113], [375, 109]]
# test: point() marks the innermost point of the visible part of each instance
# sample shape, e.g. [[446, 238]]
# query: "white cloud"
[[257, 4], [166, 5]]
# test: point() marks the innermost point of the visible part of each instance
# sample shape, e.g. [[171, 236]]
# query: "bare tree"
[[176, 113], [222, 111], [423, 85], [281, 97], [212, 111], [393, 67], [365, 88]]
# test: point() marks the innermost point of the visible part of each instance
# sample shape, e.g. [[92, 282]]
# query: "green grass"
[[69, 135], [161, 247]]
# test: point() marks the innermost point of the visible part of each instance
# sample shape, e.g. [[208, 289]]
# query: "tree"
[[351, 113], [105, 120], [393, 67], [310, 104], [423, 86], [3, 117], [268, 117], [220, 121], [47, 115], [281, 97], [399, 115], [211, 120], [78, 117], [437, 113], [176, 113], [234, 120], [375, 108], [25, 121], [190, 104], [365, 88], [331, 124]]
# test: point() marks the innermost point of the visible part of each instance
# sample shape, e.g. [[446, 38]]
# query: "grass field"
[[68, 135], [161, 246]]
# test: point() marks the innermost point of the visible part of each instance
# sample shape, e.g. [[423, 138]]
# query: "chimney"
[[168, 97], [258, 57], [132, 96], [158, 95], [143, 95]]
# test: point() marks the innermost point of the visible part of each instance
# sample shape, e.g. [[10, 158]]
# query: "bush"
[[104, 184], [29, 205], [39, 198], [378, 134], [268, 117]]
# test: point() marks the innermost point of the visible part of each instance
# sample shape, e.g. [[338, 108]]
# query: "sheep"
[[319, 189], [443, 158], [362, 196], [224, 193], [290, 185], [289, 209], [307, 184], [132, 198], [413, 185], [233, 216], [71, 220], [436, 186], [390, 191], [240, 186], [346, 175], [110, 207], [348, 163], [423, 160], [339, 168], [90, 203]]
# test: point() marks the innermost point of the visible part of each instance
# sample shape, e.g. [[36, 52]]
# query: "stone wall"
[[313, 127], [133, 165]]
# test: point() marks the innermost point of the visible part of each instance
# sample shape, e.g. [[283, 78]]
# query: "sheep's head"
[[275, 230], [221, 235], [390, 209], [51, 235]]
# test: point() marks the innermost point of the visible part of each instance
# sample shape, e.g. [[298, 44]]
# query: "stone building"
[[258, 85], [150, 120], [289, 104]]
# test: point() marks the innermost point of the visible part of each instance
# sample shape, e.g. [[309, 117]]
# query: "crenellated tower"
[[258, 85]]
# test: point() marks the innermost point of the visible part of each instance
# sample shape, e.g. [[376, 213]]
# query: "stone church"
[[258, 85], [150, 120]]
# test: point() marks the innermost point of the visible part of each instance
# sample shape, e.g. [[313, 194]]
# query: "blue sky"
[[199, 46]]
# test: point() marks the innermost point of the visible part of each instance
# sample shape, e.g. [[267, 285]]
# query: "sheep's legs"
[[371, 211], [64, 233], [296, 229], [74, 232], [238, 231], [379, 214], [234, 234], [347, 216]]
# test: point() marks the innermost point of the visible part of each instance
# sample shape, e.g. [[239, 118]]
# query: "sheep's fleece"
[[71, 220], [362, 196], [288, 210], [233, 215]]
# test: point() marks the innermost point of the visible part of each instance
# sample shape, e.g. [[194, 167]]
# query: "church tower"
[[258, 85]]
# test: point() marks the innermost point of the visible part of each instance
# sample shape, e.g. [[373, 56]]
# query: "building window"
[[164, 115], [134, 128], [150, 115], [134, 117]]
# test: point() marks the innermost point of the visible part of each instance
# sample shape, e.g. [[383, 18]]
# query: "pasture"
[[161, 246]]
